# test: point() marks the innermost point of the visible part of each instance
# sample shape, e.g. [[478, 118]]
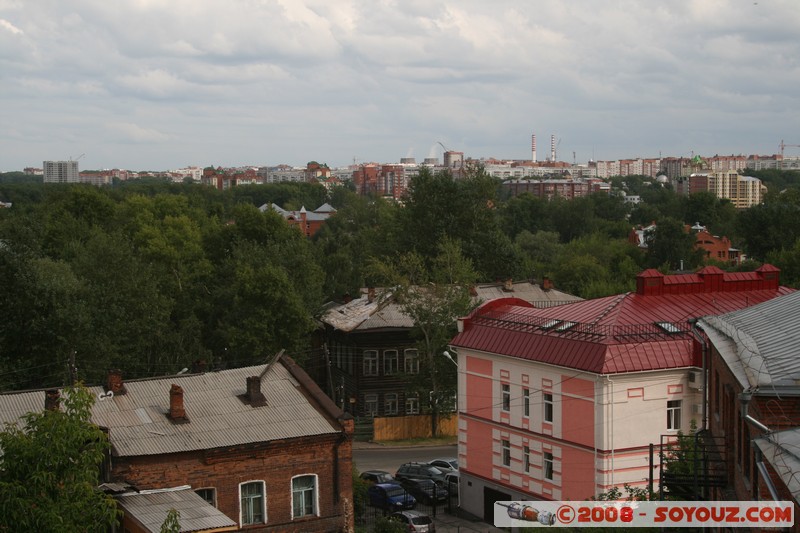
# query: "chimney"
[[52, 400], [473, 291], [114, 383], [176, 410], [254, 394], [546, 284], [347, 298], [508, 285], [371, 294], [199, 366]]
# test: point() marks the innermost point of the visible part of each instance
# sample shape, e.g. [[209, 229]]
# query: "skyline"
[[151, 84]]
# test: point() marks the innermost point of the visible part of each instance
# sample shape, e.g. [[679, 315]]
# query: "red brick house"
[[754, 399], [261, 444], [309, 222], [562, 403]]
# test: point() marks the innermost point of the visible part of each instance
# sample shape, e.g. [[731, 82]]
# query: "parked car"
[[376, 476], [390, 497], [445, 464], [419, 471], [425, 490], [415, 520], [451, 482]]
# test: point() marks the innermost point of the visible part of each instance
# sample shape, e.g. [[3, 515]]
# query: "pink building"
[[562, 403]]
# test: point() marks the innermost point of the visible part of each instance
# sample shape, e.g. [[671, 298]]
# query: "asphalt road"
[[388, 458]]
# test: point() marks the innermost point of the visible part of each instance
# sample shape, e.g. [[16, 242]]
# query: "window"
[[506, 397], [371, 405], [526, 402], [209, 495], [390, 362], [253, 503], [304, 496], [411, 361], [370, 362], [674, 414], [526, 456], [547, 398], [390, 401], [548, 465], [412, 405], [506, 453]]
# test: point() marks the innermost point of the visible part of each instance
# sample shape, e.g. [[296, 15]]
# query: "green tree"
[[433, 299], [172, 523], [670, 244], [50, 470]]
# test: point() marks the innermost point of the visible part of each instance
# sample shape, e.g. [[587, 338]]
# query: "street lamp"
[[450, 357]]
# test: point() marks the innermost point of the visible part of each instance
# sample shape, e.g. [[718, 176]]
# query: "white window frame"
[[526, 458], [370, 366], [391, 401], [547, 404], [547, 465], [505, 444], [506, 392], [263, 502], [390, 362], [411, 361], [371, 404], [412, 404], [674, 415], [314, 495]]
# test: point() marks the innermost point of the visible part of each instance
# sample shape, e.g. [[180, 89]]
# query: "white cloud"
[[6, 25], [138, 134]]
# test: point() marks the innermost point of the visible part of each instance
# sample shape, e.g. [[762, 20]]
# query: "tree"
[[670, 244], [50, 470], [172, 523], [433, 299]]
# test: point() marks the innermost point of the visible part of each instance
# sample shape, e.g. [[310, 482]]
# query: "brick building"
[[262, 444], [754, 399], [307, 222]]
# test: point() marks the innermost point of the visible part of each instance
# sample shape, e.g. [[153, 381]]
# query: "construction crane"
[[70, 157], [443, 146], [784, 145]]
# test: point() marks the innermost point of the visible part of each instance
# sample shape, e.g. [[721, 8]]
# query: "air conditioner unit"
[[695, 379], [697, 409]]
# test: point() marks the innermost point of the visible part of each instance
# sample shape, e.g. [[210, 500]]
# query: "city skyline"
[[162, 85]]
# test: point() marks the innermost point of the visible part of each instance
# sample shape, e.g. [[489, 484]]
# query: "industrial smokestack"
[[553, 148], [533, 148]]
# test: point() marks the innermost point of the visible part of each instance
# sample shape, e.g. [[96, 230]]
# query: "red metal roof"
[[623, 333]]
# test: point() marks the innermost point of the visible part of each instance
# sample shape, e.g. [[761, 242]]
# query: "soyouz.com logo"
[[643, 514]]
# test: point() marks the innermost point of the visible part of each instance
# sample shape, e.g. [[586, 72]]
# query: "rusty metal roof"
[[623, 333], [138, 423]]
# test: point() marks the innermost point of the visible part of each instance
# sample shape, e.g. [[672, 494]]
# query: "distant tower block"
[[533, 148], [552, 148]]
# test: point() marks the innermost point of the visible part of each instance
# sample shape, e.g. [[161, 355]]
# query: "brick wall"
[[329, 457]]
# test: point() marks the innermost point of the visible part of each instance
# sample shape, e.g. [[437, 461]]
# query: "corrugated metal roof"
[[150, 509], [382, 311], [760, 344], [138, 423], [613, 334]]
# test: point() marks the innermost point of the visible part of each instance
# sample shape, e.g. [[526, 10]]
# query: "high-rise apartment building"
[[742, 191], [60, 172]]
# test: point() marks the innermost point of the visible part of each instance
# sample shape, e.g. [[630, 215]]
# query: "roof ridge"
[[609, 308]]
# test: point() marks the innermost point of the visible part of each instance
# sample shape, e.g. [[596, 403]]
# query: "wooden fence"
[[412, 427]]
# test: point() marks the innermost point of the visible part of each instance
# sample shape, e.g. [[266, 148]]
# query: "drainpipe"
[[744, 399], [704, 352]]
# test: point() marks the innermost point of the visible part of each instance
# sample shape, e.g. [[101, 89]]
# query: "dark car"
[[391, 497], [420, 471], [377, 476], [416, 521], [425, 490]]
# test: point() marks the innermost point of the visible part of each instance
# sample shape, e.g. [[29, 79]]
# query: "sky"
[[164, 84]]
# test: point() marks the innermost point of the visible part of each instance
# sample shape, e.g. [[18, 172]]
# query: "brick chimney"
[[52, 400], [546, 284], [114, 383], [176, 409], [371, 294], [199, 366], [254, 395], [508, 285]]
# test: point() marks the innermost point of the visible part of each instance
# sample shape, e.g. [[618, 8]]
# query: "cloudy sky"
[[162, 84]]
